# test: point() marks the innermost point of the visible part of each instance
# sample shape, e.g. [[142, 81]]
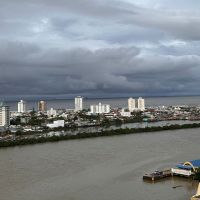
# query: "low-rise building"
[[56, 124], [125, 113], [51, 112]]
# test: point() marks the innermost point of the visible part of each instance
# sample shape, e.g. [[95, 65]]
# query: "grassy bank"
[[97, 134]]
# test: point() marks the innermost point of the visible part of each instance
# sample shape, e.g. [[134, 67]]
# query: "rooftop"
[[192, 164]]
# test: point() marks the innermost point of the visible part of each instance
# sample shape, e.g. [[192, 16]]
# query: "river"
[[107, 168]]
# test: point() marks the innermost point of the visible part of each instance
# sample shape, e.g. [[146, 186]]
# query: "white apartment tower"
[[131, 104], [4, 115], [141, 104], [100, 108], [78, 103], [21, 106]]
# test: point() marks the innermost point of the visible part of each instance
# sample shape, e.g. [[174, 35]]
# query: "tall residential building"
[[42, 106], [4, 115], [131, 104], [78, 103], [141, 104], [100, 108], [21, 106]]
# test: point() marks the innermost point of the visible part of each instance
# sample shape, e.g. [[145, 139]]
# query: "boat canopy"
[[189, 165], [186, 167]]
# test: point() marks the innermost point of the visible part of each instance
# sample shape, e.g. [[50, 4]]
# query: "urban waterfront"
[[100, 168], [99, 100]]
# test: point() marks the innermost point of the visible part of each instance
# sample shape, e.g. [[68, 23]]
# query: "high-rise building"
[[4, 115], [21, 106], [131, 104], [100, 108], [78, 103], [141, 104], [42, 106]]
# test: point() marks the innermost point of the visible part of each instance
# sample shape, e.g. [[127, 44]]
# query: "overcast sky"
[[100, 47]]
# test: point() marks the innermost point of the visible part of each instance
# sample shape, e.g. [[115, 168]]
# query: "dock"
[[157, 175]]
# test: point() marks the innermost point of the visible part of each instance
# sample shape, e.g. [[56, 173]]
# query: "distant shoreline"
[[53, 98], [85, 135]]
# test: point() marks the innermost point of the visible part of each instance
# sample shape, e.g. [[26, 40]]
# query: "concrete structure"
[[141, 104], [51, 112], [100, 109], [125, 113], [56, 124], [131, 104], [4, 115], [78, 103], [42, 106], [22, 106], [187, 168], [197, 195], [136, 106]]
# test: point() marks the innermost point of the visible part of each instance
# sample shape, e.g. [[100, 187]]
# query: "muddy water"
[[107, 168]]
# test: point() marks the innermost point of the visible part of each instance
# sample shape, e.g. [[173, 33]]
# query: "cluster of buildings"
[[22, 107], [97, 109], [182, 112], [94, 109], [135, 111]]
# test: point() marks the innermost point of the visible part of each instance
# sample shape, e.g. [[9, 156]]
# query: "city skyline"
[[100, 48]]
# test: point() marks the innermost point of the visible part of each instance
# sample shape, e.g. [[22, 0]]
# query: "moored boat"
[[156, 175]]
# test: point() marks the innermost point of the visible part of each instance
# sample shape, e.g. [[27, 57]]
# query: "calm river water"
[[107, 168]]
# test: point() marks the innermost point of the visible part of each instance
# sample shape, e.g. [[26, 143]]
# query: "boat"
[[156, 175]]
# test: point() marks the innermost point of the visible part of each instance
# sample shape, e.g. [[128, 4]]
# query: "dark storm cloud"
[[99, 47], [109, 70]]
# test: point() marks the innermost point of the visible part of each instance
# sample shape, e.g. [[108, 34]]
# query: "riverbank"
[[28, 141]]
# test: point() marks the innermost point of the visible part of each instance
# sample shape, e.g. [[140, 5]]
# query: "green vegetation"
[[197, 175], [35, 121], [96, 134]]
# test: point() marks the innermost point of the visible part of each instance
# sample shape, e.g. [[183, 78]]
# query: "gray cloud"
[[99, 47], [80, 71]]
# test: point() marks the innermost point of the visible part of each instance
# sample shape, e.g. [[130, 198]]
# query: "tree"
[[105, 122], [197, 174]]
